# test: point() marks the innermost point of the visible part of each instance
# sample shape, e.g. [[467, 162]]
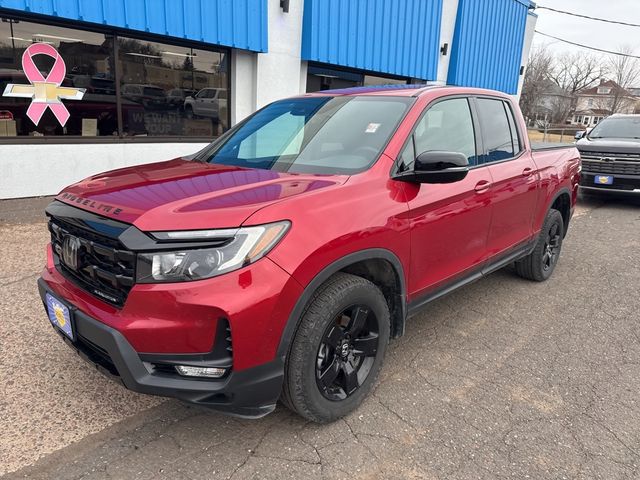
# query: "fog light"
[[209, 372]]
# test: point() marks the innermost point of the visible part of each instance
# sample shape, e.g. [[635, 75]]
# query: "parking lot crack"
[[251, 453], [613, 434], [394, 413], [18, 280]]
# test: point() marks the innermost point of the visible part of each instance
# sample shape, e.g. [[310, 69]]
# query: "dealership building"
[[93, 85]]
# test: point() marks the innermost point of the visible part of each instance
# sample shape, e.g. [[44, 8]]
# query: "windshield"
[[324, 135], [617, 127]]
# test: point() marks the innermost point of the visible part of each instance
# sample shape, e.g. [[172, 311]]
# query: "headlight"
[[236, 248]]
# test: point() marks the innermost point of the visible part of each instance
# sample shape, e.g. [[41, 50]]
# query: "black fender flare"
[[559, 193], [334, 267]]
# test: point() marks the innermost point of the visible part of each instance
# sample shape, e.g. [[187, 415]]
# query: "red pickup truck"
[[278, 262]]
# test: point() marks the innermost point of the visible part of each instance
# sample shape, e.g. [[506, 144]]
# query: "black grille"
[[105, 269], [598, 155], [97, 355], [616, 167]]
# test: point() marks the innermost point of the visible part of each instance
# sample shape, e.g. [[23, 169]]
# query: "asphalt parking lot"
[[502, 379]]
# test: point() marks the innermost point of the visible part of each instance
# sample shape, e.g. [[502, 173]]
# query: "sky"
[[589, 32]]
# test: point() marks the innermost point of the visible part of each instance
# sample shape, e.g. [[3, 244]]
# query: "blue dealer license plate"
[[603, 180], [59, 315]]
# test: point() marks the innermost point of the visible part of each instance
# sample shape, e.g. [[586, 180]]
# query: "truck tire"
[[338, 349], [539, 264]]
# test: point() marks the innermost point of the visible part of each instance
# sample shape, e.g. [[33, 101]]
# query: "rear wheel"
[[338, 350], [540, 264]]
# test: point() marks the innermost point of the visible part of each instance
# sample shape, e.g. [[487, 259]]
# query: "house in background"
[[595, 103], [635, 91], [553, 106]]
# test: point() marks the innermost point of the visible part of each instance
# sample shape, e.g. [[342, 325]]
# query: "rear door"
[[449, 222], [515, 177]]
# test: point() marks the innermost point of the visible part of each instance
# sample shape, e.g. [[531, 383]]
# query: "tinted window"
[[514, 130], [158, 68], [617, 127], [313, 135], [145, 71], [498, 142], [407, 157], [90, 66], [447, 126]]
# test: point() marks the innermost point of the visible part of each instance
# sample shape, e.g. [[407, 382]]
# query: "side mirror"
[[580, 135], [438, 167]]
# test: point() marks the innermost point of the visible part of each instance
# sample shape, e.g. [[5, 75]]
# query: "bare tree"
[[573, 72], [536, 80], [561, 107], [625, 71], [576, 71]]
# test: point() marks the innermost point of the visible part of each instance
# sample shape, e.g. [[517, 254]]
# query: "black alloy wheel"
[[541, 262], [347, 352], [551, 247], [338, 349]]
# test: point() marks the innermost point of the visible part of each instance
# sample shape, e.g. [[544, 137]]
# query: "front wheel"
[[338, 349], [540, 264]]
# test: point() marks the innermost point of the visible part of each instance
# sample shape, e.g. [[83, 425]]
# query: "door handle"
[[482, 186], [527, 172]]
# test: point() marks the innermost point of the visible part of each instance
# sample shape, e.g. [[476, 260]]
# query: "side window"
[[517, 147], [447, 126], [407, 157], [498, 143]]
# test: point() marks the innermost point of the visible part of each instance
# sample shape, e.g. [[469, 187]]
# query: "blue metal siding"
[[487, 44], [399, 37], [231, 23]]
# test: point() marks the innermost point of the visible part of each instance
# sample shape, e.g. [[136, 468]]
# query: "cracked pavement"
[[502, 379]]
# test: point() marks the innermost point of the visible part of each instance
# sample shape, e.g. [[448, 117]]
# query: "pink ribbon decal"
[[44, 92]]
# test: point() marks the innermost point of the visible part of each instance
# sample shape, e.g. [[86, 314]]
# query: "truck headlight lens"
[[241, 247]]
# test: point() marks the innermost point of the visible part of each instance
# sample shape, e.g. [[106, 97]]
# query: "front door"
[[449, 222]]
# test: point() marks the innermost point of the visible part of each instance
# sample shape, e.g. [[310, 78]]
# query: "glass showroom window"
[[167, 90], [89, 61]]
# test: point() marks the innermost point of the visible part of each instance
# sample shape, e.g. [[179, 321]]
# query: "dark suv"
[[611, 155]]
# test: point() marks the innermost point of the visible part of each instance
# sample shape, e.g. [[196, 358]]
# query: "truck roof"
[[402, 90], [396, 90]]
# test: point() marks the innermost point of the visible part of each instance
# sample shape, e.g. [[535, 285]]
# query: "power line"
[[587, 46], [539, 7]]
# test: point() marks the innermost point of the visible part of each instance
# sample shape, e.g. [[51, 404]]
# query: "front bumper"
[[621, 183], [248, 393]]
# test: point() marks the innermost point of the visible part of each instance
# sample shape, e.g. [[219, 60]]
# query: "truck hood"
[[184, 195], [609, 145]]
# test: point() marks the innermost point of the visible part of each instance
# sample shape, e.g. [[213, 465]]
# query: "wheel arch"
[[372, 264], [561, 201]]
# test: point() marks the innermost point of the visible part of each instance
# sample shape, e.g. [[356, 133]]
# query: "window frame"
[[410, 137], [116, 32], [506, 104]]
